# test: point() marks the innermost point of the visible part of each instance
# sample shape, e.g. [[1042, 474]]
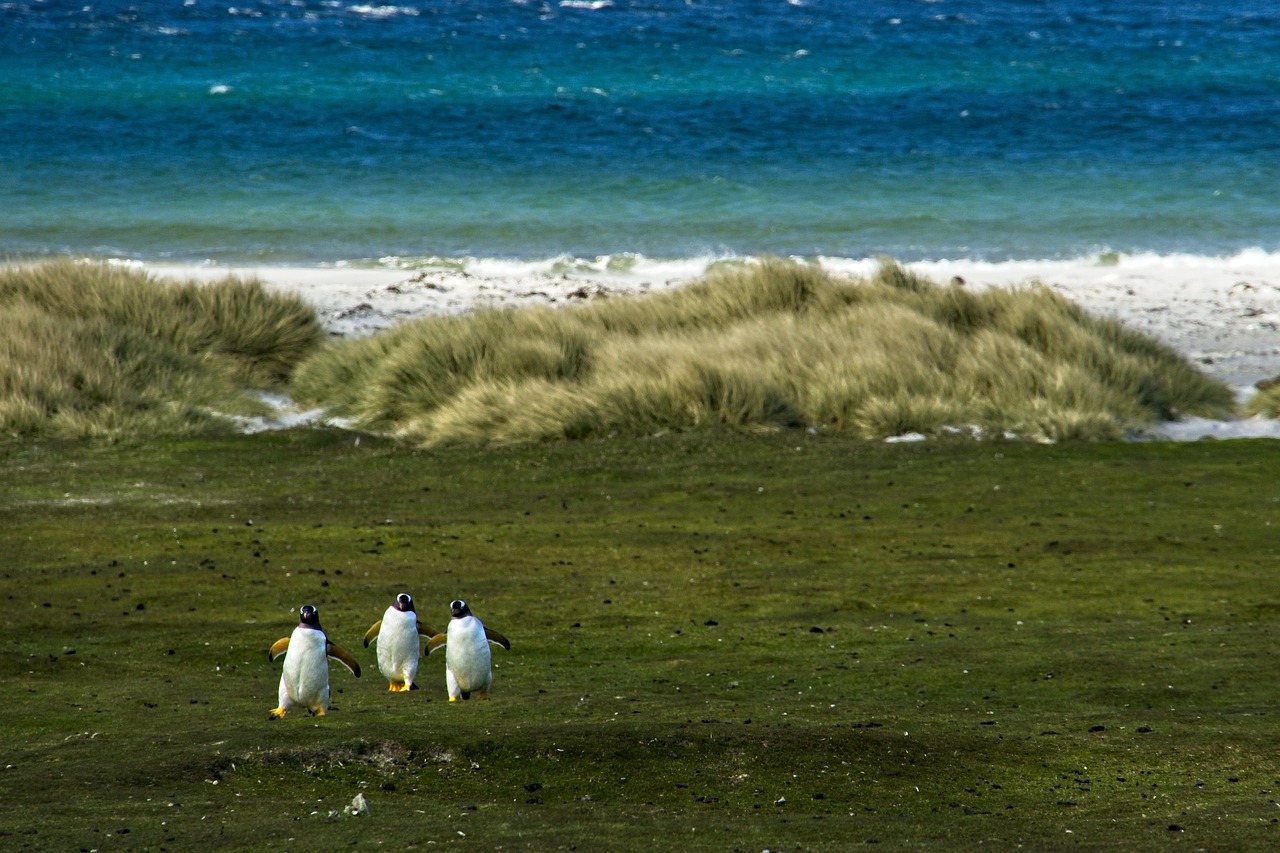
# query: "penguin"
[[467, 661], [304, 683], [397, 634]]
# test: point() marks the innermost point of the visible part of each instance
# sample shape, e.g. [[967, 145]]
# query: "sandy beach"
[[1223, 314]]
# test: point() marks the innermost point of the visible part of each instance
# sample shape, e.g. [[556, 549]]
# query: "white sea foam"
[[370, 11]]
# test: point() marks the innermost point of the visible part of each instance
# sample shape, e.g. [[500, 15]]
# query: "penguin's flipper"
[[278, 648], [437, 642], [494, 637], [343, 657], [425, 630], [372, 633]]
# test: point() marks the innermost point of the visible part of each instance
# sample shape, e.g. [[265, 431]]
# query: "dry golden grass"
[[768, 345], [1266, 403], [92, 350]]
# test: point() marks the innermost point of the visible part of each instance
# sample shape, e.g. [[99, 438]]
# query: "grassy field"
[[720, 642]]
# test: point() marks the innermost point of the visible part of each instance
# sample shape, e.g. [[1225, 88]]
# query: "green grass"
[[721, 641], [769, 345], [99, 351]]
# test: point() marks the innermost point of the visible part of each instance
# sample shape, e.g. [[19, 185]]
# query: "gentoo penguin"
[[467, 661], [305, 680], [397, 634]]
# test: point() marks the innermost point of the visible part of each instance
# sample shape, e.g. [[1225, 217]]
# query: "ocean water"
[[324, 131]]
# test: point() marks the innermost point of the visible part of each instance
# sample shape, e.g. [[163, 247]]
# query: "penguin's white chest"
[[398, 645], [467, 655], [305, 678]]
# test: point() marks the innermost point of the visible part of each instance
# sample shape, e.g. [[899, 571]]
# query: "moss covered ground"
[[720, 642]]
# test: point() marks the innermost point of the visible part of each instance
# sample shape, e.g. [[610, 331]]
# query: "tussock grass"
[[1266, 403], [93, 350], [769, 345]]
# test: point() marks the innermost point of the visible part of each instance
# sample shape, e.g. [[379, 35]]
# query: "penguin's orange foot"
[[400, 687], [319, 712], [453, 698], [276, 713]]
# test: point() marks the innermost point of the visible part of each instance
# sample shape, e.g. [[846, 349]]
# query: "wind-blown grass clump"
[[92, 350], [1265, 403], [767, 345]]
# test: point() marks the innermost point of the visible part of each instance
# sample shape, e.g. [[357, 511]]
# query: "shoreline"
[[1223, 314]]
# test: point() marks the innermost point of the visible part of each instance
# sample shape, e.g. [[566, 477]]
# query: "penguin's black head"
[[310, 616], [458, 608], [404, 602]]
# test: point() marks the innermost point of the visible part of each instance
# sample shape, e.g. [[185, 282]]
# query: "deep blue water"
[[280, 131]]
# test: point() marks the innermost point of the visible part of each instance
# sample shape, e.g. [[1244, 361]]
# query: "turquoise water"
[[259, 131]]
